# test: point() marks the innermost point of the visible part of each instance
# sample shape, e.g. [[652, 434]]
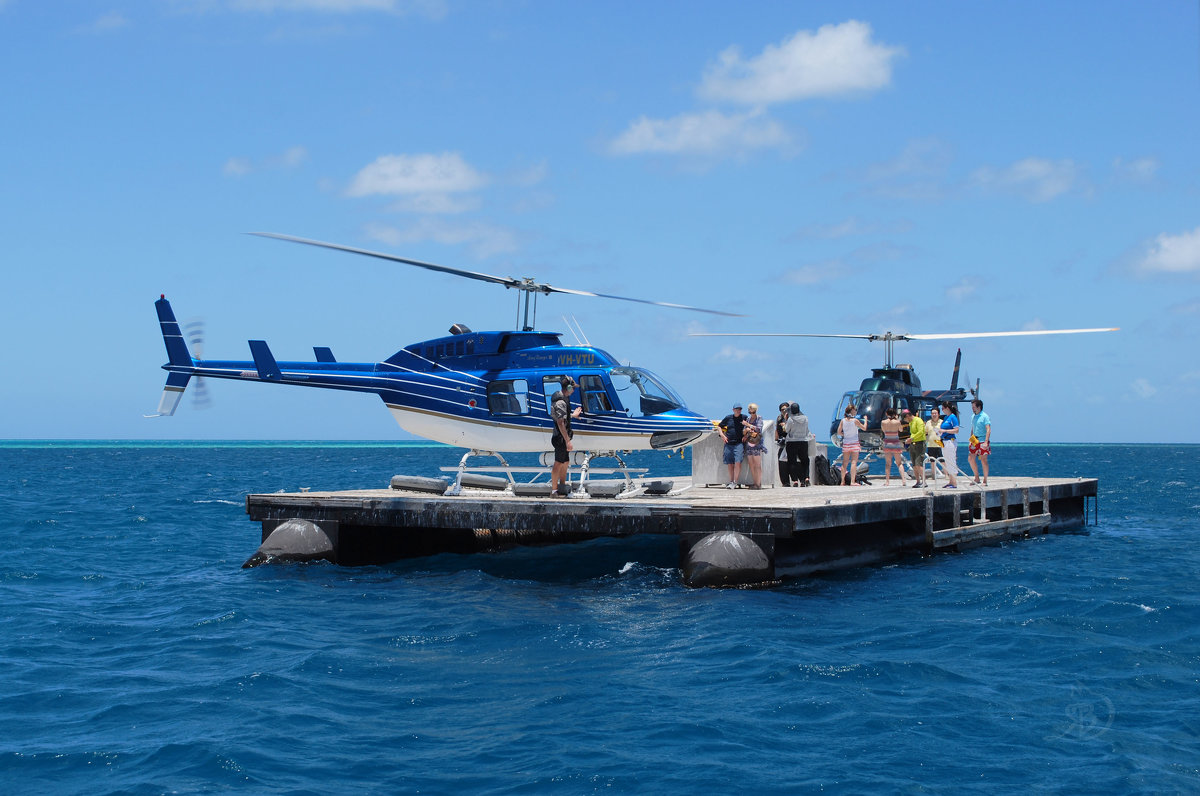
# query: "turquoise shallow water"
[[137, 657]]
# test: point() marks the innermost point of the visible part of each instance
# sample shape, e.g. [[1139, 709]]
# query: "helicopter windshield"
[[652, 393], [871, 407]]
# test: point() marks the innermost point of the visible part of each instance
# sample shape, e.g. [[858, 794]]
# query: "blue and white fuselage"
[[480, 390]]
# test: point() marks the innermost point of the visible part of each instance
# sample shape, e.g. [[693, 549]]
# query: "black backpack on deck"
[[826, 475]]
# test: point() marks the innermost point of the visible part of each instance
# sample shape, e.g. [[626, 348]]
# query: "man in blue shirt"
[[950, 443], [981, 440]]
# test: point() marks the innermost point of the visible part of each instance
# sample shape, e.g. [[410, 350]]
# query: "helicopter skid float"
[[485, 391]]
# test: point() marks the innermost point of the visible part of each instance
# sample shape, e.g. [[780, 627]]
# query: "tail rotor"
[[193, 330]]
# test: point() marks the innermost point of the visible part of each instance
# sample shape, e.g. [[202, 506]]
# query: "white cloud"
[[484, 240], [894, 319], [1037, 179], [106, 23], [288, 159], [436, 204], [850, 227], [1143, 389], [291, 157], [416, 174], [531, 176], [738, 352], [237, 167], [839, 229], [1186, 308], [918, 172], [1172, 254], [837, 59], [709, 133], [1140, 170], [961, 290], [814, 274]]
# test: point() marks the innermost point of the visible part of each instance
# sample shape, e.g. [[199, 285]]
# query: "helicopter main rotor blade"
[[499, 280], [889, 336], [527, 285], [644, 301], [1004, 334], [784, 334]]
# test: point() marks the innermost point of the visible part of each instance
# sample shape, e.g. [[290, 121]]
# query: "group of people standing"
[[936, 438], [743, 437]]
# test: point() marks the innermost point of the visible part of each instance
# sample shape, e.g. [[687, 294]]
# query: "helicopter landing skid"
[[582, 462]]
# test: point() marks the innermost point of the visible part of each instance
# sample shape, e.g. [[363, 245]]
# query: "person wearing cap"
[[916, 445], [561, 414], [732, 429]]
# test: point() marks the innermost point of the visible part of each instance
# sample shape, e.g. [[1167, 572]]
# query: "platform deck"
[[801, 529]]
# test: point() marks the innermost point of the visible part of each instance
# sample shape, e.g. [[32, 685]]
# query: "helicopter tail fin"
[[177, 355], [172, 393], [954, 377], [177, 350]]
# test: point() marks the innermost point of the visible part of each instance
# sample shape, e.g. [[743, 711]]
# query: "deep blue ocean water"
[[136, 656]]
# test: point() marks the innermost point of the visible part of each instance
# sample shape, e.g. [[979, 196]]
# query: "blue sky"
[[846, 168]]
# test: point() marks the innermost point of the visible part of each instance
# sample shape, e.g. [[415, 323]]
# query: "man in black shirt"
[[561, 414], [731, 429]]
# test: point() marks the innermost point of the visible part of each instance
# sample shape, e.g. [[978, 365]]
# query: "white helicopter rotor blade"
[[644, 301], [510, 282], [890, 336], [782, 334], [1006, 334]]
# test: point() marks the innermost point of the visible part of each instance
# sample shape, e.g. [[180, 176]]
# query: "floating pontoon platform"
[[798, 530]]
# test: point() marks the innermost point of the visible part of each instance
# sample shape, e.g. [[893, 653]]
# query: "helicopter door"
[[595, 399], [508, 397]]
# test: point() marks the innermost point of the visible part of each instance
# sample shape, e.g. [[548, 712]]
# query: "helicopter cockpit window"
[[652, 394], [508, 397], [841, 407], [873, 406], [595, 399]]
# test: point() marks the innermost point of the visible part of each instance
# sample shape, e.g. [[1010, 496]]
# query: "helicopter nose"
[[661, 440]]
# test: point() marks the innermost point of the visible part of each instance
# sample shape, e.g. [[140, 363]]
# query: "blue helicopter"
[[486, 391]]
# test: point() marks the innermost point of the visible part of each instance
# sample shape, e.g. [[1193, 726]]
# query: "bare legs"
[[755, 462]]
